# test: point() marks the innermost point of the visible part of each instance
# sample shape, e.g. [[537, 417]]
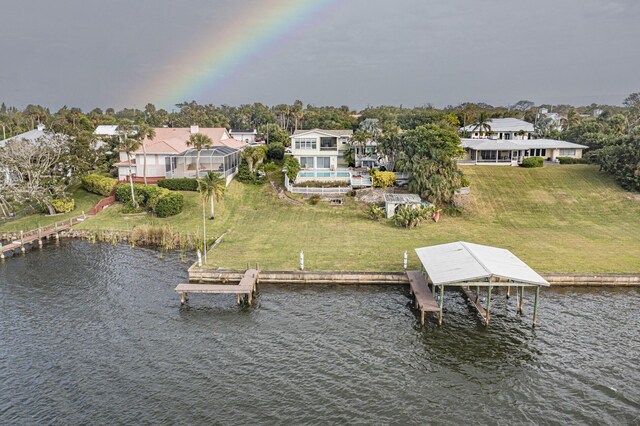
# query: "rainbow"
[[226, 48]]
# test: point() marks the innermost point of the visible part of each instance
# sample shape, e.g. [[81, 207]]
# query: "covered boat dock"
[[473, 267]]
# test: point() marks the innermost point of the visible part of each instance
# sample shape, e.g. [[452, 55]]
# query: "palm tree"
[[211, 187], [573, 118], [482, 125], [129, 146], [145, 132], [254, 155], [199, 141]]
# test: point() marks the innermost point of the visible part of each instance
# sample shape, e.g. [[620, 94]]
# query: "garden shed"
[[393, 201]]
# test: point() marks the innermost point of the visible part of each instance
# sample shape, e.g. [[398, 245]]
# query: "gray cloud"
[[411, 52]]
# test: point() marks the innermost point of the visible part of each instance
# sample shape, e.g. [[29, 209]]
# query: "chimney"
[[40, 126], [194, 129]]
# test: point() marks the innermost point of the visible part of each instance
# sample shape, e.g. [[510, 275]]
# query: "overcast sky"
[[90, 53]]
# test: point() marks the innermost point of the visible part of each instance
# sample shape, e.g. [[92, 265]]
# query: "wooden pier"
[[423, 298], [36, 236], [245, 289]]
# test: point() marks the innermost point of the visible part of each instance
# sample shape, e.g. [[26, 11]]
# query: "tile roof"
[[171, 140]]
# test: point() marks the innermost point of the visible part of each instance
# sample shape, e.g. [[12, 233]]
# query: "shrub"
[[275, 151], [179, 184], [572, 160], [247, 176], [292, 167], [161, 201], [314, 199], [123, 193], [377, 213], [411, 217], [169, 204], [532, 162], [383, 179], [97, 184], [63, 205]]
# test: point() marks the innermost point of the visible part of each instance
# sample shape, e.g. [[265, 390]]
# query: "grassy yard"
[[84, 202], [557, 219]]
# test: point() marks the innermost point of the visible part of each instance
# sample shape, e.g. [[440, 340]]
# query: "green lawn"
[[84, 202], [558, 219]]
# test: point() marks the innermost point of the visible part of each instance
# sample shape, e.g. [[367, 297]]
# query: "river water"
[[94, 334]]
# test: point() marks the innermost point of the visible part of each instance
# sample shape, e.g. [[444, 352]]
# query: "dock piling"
[[488, 304], [521, 299], [535, 306], [22, 249]]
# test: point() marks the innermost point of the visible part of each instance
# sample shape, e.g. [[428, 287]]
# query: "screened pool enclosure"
[[222, 160]]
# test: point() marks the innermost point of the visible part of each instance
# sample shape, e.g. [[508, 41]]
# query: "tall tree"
[[144, 132], [212, 187], [482, 124], [199, 141], [128, 145], [429, 154]]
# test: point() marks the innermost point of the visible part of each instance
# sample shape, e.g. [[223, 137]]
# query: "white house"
[[30, 135], [320, 149], [501, 128], [168, 155], [248, 136], [512, 152]]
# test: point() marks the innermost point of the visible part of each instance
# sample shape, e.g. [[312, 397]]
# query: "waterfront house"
[[169, 156], [500, 129], [512, 152], [320, 149], [509, 141]]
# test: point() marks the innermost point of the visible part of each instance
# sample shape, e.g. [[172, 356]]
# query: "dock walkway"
[[246, 288], [424, 300]]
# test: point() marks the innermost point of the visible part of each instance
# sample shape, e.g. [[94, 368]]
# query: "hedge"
[[97, 184], [532, 162], [572, 160], [161, 201], [63, 206], [179, 184]]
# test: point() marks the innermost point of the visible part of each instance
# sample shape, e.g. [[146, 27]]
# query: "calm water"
[[88, 335]]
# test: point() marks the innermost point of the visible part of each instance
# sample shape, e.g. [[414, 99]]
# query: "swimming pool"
[[324, 174]]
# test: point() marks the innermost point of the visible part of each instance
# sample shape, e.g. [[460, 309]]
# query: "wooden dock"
[[473, 298], [245, 289], [424, 300]]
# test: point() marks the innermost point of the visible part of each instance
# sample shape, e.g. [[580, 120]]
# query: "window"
[[324, 162], [306, 162], [507, 136], [539, 152], [328, 144], [305, 143], [567, 152], [344, 141]]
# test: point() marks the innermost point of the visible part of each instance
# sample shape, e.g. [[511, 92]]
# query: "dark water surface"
[[94, 334]]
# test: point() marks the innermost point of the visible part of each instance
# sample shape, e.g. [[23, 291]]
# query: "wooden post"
[[521, 300], [238, 298], [441, 304], [422, 317], [182, 298], [477, 293], [508, 291], [40, 237], [22, 249], [535, 306], [1, 252], [488, 304]]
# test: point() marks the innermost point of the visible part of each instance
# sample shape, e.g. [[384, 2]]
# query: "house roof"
[[461, 262], [106, 130], [336, 133], [504, 125], [252, 132], [31, 135], [402, 198], [489, 144], [171, 140]]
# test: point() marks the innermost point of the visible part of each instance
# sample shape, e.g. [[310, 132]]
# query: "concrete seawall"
[[197, 274]]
